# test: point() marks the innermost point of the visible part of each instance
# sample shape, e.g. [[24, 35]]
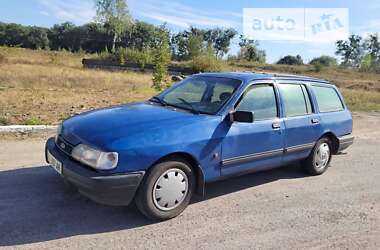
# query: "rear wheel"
[[166, 190], [319, 159]]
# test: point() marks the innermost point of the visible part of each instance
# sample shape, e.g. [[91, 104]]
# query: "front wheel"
[[319, 159], [166, 190]]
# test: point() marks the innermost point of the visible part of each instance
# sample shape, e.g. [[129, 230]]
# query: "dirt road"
[[280, 208]]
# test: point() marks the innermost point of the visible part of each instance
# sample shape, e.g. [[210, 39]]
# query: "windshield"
[[201, 94]]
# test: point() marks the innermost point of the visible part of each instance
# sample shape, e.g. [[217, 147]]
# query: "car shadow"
[[36, 205]]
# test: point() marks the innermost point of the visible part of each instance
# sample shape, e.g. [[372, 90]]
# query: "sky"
[[364, 17]]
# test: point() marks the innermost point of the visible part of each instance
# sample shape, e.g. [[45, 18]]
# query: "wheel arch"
[[334, 141], [194, 164]]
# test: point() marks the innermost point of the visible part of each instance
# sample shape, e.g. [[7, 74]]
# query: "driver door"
[[258, 145]]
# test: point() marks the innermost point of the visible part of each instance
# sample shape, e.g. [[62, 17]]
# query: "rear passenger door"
[[302, 123]]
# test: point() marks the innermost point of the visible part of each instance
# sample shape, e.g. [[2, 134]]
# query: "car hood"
[[102, 127]]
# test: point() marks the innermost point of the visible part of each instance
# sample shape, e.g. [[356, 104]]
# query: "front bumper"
[[109, 189], [345, 141]]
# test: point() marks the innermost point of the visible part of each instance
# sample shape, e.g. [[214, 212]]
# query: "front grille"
[[64, 146]]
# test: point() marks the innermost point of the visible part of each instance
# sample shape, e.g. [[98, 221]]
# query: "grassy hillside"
[[46, 87]]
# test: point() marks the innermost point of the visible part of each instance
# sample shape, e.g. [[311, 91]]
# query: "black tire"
[[310, 165], [144, 197]]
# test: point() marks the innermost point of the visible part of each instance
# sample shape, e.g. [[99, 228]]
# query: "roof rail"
[[299, 77]]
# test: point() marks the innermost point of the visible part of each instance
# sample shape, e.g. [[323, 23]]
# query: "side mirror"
[[242, 116]]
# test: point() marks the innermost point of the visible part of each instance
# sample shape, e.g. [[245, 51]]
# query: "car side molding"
[[267, 154]]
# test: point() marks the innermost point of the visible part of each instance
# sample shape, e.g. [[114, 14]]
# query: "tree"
[[327, 61], [37, 38], [249, 51], [139, 35], [372, 45], [195, 45], [2, 33], [15, 35], [291, 60], [179, 46], [95, 38], [351, 51], [161, 58], [115, 16], [60, 36], [221, 39], [189, 43]]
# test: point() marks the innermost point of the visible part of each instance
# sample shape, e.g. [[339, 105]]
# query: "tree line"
[[96, 37]]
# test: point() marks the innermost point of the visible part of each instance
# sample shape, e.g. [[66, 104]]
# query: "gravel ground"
[[280, 208]]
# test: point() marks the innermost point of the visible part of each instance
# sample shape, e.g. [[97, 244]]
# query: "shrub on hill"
[[291, 60]]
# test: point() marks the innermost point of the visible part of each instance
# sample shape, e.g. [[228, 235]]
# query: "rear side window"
[[327, 99], [296, 99], [261, 100]]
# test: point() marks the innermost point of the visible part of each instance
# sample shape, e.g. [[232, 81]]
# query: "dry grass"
[[46, 87]]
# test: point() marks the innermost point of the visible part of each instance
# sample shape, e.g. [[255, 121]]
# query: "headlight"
[[95, 158]]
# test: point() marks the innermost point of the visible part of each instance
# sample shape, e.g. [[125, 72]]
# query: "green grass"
[[33, 121], [4, 121]]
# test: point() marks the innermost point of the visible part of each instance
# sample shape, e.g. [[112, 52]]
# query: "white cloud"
[[44, 13], [78, 12], [184, 16]]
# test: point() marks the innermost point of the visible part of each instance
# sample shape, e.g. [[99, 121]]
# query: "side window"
[[295, 99], [261, 100], [327, 99]]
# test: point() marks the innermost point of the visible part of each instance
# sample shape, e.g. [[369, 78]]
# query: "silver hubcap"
[[170, 189], [322, 156]]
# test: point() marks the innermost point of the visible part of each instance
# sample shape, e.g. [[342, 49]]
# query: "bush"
[[4, 121], [326, 61], [121, 55], [291, 60], [207, 62], [33, 121], [161, 59], [318, 67], [369, 64], [126, 55], [106, 56]]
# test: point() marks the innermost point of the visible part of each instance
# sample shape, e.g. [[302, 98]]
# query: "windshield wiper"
[[190, 105], [159, 100]]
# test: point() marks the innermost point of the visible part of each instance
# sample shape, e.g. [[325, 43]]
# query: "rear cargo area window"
[[327, 99]]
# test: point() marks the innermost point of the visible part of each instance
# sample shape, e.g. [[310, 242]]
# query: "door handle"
[[276, 125], [314, 121]]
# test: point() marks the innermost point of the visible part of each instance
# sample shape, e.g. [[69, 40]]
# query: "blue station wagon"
[[205, 128]]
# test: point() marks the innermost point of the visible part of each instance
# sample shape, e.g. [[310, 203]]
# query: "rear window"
[[327, 99], [296, 99]]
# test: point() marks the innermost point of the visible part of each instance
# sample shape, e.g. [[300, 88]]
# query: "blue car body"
[[146, 132]]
